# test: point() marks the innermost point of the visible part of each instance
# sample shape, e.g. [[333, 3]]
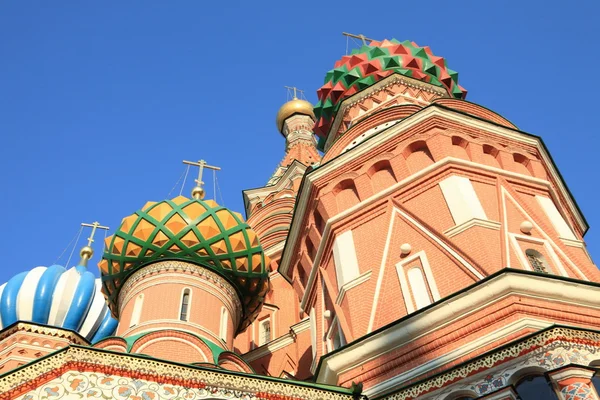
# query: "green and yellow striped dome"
[[192, 230]]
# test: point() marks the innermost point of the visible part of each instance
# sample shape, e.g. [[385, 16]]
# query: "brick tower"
[[433, 231]]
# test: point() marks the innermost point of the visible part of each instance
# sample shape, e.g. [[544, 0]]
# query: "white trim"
[[455, 309], [334, 329], [184, 327], [480, 342], [555, 248], [404, 284], [381, 271], [313, 339], [172, 339], [441, 243], [351, 284], [556, 218], [278, 343], [515, 238], [295, 228], [457, 229]]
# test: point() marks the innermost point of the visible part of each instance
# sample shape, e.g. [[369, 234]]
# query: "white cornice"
[[455, 230], [452, 310], [407, 123], [278, 343], [353, 283]]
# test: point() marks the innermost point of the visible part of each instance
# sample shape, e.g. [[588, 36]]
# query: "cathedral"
[[410, 245]]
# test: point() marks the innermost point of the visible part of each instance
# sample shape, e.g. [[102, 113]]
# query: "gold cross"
[[295, 91], [198, 191], [361, 37], [87, 251]]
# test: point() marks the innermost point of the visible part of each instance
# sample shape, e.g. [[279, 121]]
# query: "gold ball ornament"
[[86, 252], [198, 192], [295, 106]]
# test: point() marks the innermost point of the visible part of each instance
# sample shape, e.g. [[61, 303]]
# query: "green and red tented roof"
[[373, 62]]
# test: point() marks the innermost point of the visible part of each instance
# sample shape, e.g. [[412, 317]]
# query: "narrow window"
[[224, 323], [137, 310], [537, 261], [336, 336], [265, 332], [418, 287], [185, 302]]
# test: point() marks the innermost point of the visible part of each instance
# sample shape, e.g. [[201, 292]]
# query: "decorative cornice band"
[[78, 358], [178, 266], [42, 330]]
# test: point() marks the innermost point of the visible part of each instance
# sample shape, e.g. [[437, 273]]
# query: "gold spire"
[[86, 251], [198, 190]]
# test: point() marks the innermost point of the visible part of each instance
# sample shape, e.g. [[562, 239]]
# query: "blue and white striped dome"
[[69, 299]]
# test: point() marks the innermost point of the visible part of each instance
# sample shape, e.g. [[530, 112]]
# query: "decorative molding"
[[182, 267], [353, 283], [278, 343], [449, 311], [407, 123], [455, 230], [43, 330], [107, 364], [295, 229]]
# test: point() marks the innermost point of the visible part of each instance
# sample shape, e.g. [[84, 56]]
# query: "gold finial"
[[298, 105], [198, 190], [86, 251]]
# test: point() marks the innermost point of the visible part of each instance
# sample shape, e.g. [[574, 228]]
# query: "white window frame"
[[402, 269], [261, 331], [223, 323], [137, 310], [515, 238], [189, 305], [335, 329]]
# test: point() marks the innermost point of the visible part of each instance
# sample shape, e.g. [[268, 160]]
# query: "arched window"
[[137, 310], [264, 332], [224, 319], [185, 305], [534, 387], [537, 261], [596, 381]]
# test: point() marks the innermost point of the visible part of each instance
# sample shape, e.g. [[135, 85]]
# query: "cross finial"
[[198, 190], [294, 91], [359, 36], [86, 251]]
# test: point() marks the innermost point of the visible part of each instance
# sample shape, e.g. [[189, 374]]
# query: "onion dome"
[[191, 230], [376, 61], [68, 299], [292, 107]]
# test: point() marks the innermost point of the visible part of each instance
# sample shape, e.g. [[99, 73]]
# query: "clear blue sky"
[[101, 101]]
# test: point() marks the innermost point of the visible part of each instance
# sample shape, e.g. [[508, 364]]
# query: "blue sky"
[[101, 101]]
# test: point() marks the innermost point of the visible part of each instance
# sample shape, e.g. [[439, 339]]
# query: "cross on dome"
[[86, 251], [198, 191]]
